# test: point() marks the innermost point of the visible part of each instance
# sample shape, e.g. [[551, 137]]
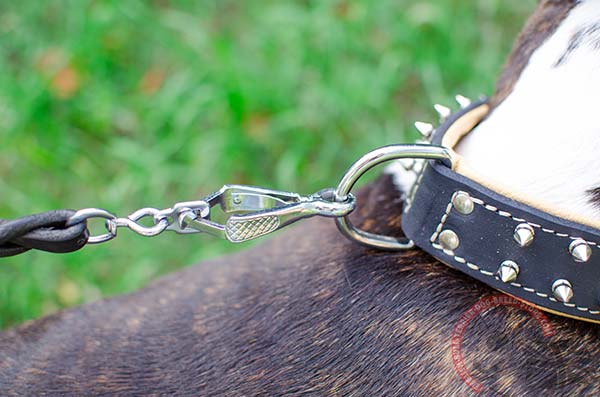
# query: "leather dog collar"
[[526, 251]]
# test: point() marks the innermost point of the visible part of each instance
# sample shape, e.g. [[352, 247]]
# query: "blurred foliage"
[[126, 104]]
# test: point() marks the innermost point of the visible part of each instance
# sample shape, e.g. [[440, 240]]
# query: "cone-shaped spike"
[[508, 271], [407, 164], [463, 101], [562, 290], [524, 234], [443, 111], [580, 250], [424, 128], [418, 167]]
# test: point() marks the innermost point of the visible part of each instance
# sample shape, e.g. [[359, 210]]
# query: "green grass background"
[[126, 104]]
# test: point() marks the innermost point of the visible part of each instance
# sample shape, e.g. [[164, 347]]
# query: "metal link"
[[365, 163], [250, 212], [161, 223], [90, 213], [132, 222]]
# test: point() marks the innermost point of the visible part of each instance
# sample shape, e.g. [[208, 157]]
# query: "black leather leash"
[[46, 231]]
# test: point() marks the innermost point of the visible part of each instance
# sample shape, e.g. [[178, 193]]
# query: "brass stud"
[[449, 240], [463, 203]]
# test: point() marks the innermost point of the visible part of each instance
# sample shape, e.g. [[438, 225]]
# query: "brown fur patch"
[[307, 312]]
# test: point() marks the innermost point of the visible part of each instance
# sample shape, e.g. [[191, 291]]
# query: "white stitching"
[[438, 229], [509, 215], [473, 266], [411, 196]]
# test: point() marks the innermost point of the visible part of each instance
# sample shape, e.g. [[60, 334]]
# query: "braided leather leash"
[[46, 231]]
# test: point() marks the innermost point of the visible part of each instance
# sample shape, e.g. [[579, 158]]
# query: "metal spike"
[[524, 234], [562, 290], [463, 101], [580, 250], [425, 129], [407, 164], [443, 111], [508, 271], [418, 167]]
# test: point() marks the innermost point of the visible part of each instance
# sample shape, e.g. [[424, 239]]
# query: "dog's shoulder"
[[307, 311]]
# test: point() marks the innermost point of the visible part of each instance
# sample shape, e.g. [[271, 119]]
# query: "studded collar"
[[525, 251]]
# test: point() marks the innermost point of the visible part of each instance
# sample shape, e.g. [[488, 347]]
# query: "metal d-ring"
[[365, 163]]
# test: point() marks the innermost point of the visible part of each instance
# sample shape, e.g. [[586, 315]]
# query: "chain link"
[[253, 212], [250, 212], [161, 219]]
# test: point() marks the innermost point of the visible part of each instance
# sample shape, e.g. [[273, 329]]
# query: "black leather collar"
[[472, 228]]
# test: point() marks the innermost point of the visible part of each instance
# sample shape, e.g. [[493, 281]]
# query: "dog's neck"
[[536, 140], [543, 137]]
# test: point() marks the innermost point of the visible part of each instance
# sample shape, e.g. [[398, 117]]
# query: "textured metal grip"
[[238, 230]]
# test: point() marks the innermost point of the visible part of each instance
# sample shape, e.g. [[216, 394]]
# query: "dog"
[[311, 313]]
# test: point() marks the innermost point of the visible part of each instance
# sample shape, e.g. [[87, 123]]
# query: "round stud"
[[580, 250], [449, 240], [524, 234], [508, 271], [463, 203], [562, 290]]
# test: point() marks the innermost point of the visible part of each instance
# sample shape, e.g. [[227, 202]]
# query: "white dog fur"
[[544, 139]]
